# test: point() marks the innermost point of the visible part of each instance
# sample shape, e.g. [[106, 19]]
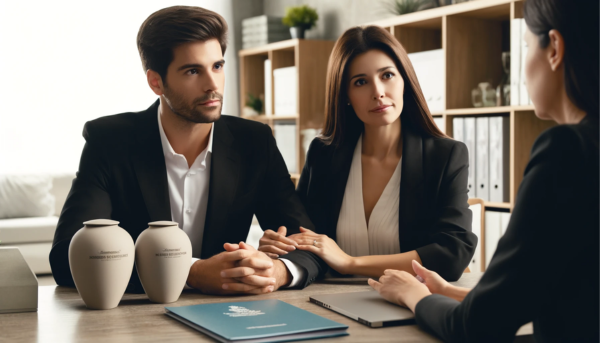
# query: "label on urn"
[[171, 253], [104, 255]]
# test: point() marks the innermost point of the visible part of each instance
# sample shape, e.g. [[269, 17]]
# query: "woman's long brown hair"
[[341, 120]]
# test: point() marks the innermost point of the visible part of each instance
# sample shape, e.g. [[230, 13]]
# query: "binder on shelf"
[[469, 140], [515, 61], [285, 136], [504, 220], [482, 176], [499, 158], [458, 129], [439, 121], [476, 264], [428, 66], [285, 84], [524, 96], [268, 88], [492, 234]]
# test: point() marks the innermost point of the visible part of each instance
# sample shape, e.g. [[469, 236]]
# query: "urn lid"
[[101, 222], [163, 223]]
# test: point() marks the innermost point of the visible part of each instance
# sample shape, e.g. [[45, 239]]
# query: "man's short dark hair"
[[170, 27]]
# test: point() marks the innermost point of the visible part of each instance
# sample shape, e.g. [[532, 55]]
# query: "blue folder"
[[256, 321]]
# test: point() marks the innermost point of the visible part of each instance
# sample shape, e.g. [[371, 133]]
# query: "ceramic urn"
[[163, 256], [101, 258]]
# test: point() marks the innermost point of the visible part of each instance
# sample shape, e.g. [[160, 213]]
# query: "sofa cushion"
[[61, 186], [27, 230], [26, 196]]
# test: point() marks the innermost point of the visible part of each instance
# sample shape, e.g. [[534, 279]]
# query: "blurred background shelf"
[[309, 57]]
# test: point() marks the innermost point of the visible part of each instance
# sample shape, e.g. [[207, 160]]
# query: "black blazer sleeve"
[[536, 268], [450, 244], [88, 199], [280, 206]]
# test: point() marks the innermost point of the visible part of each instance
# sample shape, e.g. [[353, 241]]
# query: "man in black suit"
[[181, 160]]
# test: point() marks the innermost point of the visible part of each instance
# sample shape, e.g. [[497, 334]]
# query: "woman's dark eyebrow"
[[378, 70]]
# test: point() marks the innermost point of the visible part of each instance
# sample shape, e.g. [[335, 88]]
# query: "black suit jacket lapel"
[[224, 176], [341, 161], [149, 165], [411, 188]]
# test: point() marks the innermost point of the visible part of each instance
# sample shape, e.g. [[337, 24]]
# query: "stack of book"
[[429, 67], [263, 30], [286, 137], [285, 83], [487, 139], [518, 52]]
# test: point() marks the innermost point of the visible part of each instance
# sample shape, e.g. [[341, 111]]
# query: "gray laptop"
[[368, 308]]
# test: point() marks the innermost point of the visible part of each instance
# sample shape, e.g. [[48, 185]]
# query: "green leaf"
[[300, 16]]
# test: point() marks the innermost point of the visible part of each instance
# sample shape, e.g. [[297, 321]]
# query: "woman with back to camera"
[[545, 268], [383, 185]]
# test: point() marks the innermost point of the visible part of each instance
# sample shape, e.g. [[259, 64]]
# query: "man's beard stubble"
[[190, 113]]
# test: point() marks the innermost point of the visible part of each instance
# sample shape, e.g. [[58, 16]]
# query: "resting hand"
[[434, 282], [275, 244], [206, 276], [256, 269], [324, 247], [400, 287]]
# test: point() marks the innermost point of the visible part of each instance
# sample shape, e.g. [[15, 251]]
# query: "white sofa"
[[33, 236]]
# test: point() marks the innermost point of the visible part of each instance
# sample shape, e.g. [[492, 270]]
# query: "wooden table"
[[63, 317]]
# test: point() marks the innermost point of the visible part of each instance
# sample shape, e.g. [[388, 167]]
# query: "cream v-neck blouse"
[[381, 236]]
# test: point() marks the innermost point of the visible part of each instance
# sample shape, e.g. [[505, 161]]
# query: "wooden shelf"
[[487, 110], [268, 117], [288, 45], [487, 9], [310, 57], [473, 36], [489, 204]]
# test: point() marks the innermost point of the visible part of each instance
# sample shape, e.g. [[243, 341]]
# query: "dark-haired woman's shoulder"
[[319, 151], [444, 152], [568, 147]]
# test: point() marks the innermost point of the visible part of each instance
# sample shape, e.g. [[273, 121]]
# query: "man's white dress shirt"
[[188, 193]]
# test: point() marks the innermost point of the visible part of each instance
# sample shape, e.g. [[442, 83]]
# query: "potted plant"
[[400, 7], [300, 19], [254, 105]]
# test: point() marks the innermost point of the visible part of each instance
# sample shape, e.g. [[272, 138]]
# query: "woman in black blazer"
[[380, 140], [545, 268]]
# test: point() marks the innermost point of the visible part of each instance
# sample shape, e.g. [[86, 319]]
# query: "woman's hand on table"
[[275, 244], [400, 287], [434, 282], [324, 247]]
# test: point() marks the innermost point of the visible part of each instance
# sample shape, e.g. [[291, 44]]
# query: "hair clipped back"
[[170, 27]]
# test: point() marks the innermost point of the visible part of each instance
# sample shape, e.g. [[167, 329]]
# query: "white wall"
[[63, 63]]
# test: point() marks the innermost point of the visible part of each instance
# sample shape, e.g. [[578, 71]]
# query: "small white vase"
[[163, 256], [101, 257]]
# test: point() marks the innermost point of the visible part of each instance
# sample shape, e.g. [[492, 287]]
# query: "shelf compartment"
[[485, 9], [474, 44]]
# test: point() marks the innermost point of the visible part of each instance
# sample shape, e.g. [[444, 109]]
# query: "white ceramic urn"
[[101, 257], [163, 256]]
